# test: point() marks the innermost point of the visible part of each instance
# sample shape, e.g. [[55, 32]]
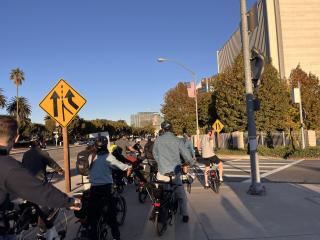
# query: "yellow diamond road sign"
[[217, 126], [62, 103]]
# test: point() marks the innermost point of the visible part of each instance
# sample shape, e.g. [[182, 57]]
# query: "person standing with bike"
[[36, 160], [16, 181], [208, 155], [100, 177], [167, 150]]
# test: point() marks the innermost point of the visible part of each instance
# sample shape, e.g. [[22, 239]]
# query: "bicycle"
[[26, 215], [144, 189], [213, 178], [165, 204], [103, 228]]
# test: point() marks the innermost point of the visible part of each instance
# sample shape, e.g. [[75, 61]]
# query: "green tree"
[[17, 76], [204, 109], [310, 92], [3, 99], [179, 109], [274, 99], [24, 109], [229, 97]]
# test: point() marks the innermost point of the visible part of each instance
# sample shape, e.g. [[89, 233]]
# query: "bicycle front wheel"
[[121, 206]]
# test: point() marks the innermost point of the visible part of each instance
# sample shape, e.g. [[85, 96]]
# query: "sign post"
[[217, 126], [66, 156], [63, 103]]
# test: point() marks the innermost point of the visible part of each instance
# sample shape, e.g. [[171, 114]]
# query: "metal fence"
[[272, 139]]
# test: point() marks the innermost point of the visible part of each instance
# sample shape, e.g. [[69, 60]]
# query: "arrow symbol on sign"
[[55, 98], [70, 101]]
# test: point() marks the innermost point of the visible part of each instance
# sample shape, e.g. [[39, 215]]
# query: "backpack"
[[148, 150], [82, 163]]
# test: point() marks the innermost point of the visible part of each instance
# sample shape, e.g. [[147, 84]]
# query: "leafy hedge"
[[287, 152], [281, 152]]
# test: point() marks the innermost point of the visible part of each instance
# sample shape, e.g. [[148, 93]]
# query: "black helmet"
[[208, 129], [101, 144], [166, 125]]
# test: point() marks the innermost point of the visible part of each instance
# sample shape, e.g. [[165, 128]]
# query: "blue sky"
[[107, 49]]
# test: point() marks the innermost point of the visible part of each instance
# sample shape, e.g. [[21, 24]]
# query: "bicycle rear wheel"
[[121, 206], [103, 229], [160, 224], [143, 194], [61, 223]]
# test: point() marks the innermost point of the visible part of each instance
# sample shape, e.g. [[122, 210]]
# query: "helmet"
[[166, 125], [101, 144], [208, 129]]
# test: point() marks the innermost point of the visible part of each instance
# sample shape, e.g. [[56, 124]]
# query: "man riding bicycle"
[[100, 176], [167, 150], [208, 155], [36, 160]]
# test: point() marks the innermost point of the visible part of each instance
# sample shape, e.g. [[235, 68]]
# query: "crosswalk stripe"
[[260, 163]]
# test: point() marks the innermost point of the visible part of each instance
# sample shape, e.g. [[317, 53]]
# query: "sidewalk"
[[288, 211]]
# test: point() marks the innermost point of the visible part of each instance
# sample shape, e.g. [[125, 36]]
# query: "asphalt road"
[[237, 170], [57, 154]]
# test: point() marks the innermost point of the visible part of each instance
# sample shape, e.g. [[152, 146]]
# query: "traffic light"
[[257, 66]]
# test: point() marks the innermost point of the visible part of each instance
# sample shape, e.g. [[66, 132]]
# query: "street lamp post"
[[160, 60]]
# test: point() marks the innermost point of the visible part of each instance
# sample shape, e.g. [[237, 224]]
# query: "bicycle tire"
[[142, 196], [160, 226], [121, 206], [120, 188], [103, 229], [61, 223]]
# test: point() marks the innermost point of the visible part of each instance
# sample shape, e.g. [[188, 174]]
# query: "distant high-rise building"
[[144, 119], [287, 32]]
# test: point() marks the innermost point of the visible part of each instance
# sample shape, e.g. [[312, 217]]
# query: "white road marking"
[[277, 169]]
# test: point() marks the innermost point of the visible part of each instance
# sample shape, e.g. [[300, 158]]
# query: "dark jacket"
[[36, 161], [18, 182]]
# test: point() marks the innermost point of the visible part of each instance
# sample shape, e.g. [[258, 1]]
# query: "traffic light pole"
[[256, 188]]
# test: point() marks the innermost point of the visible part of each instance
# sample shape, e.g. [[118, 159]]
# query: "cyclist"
[[100, 176], [124, 145], [36, 160], [17, 181], [209, 156], [137, 146], [167, 150]]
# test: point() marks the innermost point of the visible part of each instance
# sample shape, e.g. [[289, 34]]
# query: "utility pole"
[[256, 188], [301, 118]]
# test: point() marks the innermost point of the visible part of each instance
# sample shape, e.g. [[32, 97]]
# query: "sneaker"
[[221, 180], [185, 219], [206, 186]]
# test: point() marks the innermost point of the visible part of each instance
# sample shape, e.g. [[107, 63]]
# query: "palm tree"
[[3, 99], [17, 76], [24, 109]]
